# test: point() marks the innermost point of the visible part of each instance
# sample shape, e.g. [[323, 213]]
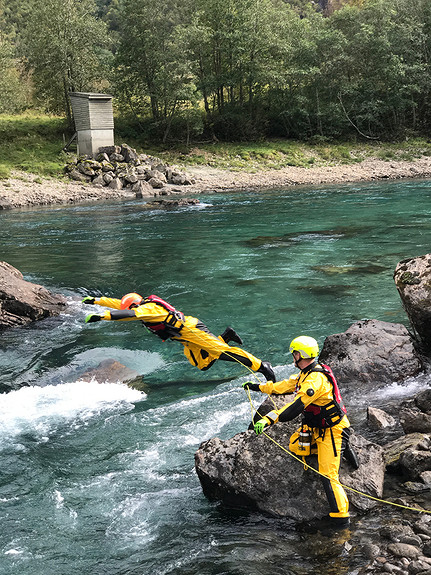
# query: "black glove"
[[91, 318], [88, 300], [251, 386]]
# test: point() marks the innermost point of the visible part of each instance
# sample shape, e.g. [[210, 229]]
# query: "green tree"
[[379, 74], [237, 54], [14, 85], [63, 42], [153, 70]]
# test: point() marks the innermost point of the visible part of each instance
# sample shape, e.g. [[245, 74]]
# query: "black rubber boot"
[[266, 370], [350, 456], [230, 334]]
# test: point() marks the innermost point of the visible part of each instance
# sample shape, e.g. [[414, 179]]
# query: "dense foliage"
[[227, 69]]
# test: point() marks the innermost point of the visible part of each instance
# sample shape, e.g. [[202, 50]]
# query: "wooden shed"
[[94, 121]]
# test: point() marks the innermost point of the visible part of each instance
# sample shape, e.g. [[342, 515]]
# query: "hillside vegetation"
[[226, 70], [33, 142]]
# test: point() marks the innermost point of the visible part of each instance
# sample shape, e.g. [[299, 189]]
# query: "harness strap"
[[333, 443], [326, 415], [171, 326]]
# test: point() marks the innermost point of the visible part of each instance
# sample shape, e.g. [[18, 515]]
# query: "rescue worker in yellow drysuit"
[[201, 347], [323, 415]]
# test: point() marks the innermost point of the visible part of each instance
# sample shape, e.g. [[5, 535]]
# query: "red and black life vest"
[[171, 325], [330, 414]]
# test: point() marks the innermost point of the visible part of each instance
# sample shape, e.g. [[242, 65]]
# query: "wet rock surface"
[[413, 280], [372, 352], [23, 302]]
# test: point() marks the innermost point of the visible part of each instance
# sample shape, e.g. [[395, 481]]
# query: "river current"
[[97, 478]]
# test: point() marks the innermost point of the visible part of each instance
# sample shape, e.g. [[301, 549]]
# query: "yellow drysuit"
[[201, 347], [330, 428]]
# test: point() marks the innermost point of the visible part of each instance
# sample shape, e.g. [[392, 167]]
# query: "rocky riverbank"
[[27, 190]]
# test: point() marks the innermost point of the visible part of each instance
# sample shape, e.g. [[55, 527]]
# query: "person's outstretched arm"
[[111, 302]]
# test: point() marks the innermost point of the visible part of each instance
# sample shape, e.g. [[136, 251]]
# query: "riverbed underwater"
[[97, 478]]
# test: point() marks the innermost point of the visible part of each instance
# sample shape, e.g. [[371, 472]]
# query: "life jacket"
[[330, 414], [171, 326]]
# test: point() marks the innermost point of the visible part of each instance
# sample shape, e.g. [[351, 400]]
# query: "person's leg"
[[216, 347], [230, 334], [329, 450], [198, 357]]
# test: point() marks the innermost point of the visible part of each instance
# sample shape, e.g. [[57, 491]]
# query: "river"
[[97, 478]]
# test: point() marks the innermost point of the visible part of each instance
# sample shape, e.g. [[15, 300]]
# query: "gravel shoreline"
[[26, 190]]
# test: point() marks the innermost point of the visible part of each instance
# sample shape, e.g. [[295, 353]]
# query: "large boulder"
[[22, 302], [413, 281], [371, 352], [255, 472]]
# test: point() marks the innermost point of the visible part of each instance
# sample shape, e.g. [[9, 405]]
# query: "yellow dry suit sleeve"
[[108, 302], [148, 312], [280, 387], [287, 412], [312, 388]]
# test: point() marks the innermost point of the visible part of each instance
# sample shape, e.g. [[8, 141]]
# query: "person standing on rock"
[[201, 347], [325, 428]]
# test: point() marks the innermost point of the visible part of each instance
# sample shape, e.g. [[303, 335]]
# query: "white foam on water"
[[40, 411], [407, 388]]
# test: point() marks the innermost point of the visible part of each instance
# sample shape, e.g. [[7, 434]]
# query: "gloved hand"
[[88, 300], [249, 385], [259, 426], [91, 318]]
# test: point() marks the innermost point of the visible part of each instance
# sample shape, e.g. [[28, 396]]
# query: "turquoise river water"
[[97, 478]]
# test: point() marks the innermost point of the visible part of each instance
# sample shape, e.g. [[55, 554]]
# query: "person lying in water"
[[201, 347]]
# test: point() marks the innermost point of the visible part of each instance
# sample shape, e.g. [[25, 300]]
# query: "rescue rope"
[[253, 409], [196, 331], [322, 475]]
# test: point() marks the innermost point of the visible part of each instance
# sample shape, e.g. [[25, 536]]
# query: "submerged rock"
[[349, 269], [112, 371], [22, 302], [169, 204]]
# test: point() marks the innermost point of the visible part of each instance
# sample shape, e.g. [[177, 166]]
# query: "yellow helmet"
[[306, 346]]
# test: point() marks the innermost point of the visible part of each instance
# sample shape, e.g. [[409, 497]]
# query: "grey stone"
[[379, 419], [414, 420], [413, 462], [404, 550], [394, 449], [116, 184], [99, 180], [413, 281], [5, 204], [253, 471], [155, 183], [423, 401], [371, 352], [23, 302]]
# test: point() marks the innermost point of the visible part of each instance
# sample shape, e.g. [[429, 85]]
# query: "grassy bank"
[[33, 142]]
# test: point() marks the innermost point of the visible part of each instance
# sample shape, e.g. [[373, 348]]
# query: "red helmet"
[[129, 300]]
